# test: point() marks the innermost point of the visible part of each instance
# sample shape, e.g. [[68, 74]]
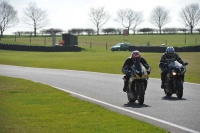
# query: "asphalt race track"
[[175, 115]]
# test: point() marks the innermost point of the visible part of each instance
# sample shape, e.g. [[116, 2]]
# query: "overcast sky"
[[68, 14]]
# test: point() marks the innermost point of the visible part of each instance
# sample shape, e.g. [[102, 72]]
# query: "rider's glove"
[[164, 70], [148, 72], [125, 71], [128, 72]]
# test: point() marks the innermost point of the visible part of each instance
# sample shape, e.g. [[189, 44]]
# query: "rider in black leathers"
[[127, 67], [167, 57]]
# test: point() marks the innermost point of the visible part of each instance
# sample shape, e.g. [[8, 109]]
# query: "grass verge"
[[36, 108]]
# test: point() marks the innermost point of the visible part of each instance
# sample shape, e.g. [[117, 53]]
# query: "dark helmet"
[[170, 51], [135, 54]]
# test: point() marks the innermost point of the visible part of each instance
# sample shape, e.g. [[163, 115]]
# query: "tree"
[[128, 17], [198, 30], [89, 31], [159, 17], [76, 31], [170, 30], [190, 16], [49, 31], [35, 17], [18, 33], [109, 30], [183, 30], [138, 20], [98, 17], [8, 16], [119, 31], [146, 30]]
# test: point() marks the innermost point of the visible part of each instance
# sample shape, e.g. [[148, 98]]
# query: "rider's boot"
[[162, 84], [125, 85], [162, 80]]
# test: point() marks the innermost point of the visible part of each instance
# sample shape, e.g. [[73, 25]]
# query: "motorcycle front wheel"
[[140, 96], [179, 92]]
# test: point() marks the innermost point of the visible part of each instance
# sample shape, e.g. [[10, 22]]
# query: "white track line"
[[133, 112]]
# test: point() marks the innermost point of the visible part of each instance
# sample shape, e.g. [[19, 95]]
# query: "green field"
[[28, 107], [106, 62], [33, 107], [178, 40]]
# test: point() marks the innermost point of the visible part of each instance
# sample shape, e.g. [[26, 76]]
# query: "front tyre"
[[140, 96], [179, 92]]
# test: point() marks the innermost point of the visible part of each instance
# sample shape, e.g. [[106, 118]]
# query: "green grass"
[[176, 40], [28, 107], [33, 107], [141, 40], [106, 62]]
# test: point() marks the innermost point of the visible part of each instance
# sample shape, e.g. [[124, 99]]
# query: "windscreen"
[[175, 64]]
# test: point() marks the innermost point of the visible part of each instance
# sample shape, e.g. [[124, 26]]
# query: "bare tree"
[[159, 17], [8, 16], [35, 17], [89, 31], [49, 31], [109, 30], [138, 20], [98, 17], [128, 17], [190, 16]]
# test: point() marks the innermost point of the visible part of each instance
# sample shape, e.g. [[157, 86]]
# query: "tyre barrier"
[[19, 47], [163, 49]]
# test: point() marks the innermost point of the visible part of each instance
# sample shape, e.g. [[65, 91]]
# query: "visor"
[[170, 54]]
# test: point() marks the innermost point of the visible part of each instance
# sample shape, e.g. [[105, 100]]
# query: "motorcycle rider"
[[167, 57], [127, 67]]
